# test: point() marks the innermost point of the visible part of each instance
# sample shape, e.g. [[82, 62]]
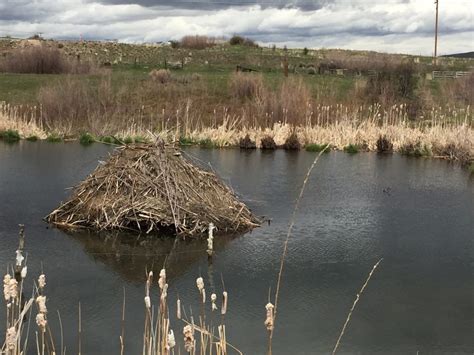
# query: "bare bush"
[[197, 42], [161, 76], [43, 60], [246, 86]]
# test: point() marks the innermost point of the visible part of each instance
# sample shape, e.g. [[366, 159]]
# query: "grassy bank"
[[195, 96]]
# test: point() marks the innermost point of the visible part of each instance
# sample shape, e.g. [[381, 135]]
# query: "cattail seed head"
[[11, 339], [171, 339], [200, 283], [188, 338], [41, 302], [147, 302], [42, 281], [213, 301], [178, 309], [203, 293], [6, 287], [162, 279], [269, 321], [41, 321], [19, 258], [13, 288], [224, 303], [24, 271]]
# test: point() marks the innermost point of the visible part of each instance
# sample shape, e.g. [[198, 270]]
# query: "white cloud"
[[393, 26]]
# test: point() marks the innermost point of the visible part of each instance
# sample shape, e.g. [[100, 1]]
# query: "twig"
[[354, 305], [285, 247]]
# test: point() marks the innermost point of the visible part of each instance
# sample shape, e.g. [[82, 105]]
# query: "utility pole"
[[436, 34]]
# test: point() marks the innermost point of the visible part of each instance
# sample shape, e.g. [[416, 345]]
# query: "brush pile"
[[152, 187]]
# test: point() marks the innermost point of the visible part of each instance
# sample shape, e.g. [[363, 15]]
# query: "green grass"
[[207, 143], [185, 141], [110, 140], [317, 147], [127, 140], [10, 136], [351, 149], [54, 138], [86, 138]]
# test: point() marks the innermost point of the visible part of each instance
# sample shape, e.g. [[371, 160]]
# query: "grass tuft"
[[207, 143], [316, 148], [351, 149], [10, 136], [54, 138], [86, 139]]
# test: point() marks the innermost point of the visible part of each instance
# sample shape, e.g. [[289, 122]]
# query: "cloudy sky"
[[404, 26]]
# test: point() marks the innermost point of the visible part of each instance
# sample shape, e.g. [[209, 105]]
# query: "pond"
[[416, 214]]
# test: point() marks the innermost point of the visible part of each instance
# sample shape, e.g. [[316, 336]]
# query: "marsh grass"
[[351, 148], [54, 138], [86, 139], [10, 136], [314, 147]]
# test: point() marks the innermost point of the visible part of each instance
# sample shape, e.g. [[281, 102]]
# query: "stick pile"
[[152, 187]]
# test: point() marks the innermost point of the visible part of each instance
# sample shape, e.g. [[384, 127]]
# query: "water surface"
[[416, 214]]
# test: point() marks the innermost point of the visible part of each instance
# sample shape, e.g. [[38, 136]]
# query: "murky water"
[[420, 299]]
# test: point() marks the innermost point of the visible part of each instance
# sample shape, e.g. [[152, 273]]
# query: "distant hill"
[[461, 55]]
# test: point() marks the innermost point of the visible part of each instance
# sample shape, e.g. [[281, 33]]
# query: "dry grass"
[[246, 86]]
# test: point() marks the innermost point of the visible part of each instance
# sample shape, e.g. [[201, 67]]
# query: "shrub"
[[42, 60], [317, 148], [305, 51], [10, 136], [268, 142], [384, 145], [162, 76], [242, 41], [351, 149], [246, 86], [197, 42], [292, 142], [86, 139], [247, 143]]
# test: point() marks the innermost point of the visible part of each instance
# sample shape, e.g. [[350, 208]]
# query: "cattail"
[[210, 239], [269, 320], [178, 309], [41, 321], [41, 302], [162, 280], [188, 338], [213, 301], [171, 339], [11, 339], [13, 288], [24, 271], [147, 302], [6, 287], [203, 293], [224, 303], [200, 283], [19, 258], [41, 281]]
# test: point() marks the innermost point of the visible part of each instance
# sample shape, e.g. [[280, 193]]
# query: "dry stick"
[[354, 305], [80, 330], [122, 336], [285, 247], [62, 334]]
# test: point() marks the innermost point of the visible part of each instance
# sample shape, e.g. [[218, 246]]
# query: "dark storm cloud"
[[207, 5]]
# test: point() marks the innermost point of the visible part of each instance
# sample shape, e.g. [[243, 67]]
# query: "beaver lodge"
[[152, 187]]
